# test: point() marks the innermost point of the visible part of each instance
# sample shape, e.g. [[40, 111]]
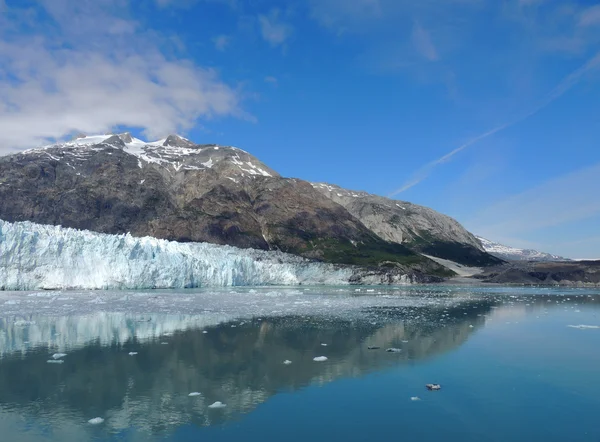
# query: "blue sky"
[[488, 111]]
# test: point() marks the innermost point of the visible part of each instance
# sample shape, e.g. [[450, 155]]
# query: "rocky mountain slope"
[[419, 228], [513, 254], [177, 190]]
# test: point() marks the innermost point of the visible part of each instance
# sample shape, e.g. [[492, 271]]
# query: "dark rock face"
[[181, 191]]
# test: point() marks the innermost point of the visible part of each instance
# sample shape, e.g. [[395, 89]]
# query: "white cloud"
[[272, 29], [270, 79], [101, 82], [422, 42], [221, 42]]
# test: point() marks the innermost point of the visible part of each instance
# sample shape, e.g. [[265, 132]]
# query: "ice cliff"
[[34, 256]]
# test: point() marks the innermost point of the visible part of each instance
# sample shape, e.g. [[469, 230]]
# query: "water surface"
[[514, 364]]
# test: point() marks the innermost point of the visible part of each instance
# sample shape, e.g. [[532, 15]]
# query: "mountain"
[[419, 228], [513, 254], [177, 190]]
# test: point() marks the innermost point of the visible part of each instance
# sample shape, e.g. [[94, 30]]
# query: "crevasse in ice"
[[34, 256]]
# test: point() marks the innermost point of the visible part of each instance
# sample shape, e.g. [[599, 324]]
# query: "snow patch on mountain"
[[514, 254], [174, 152]]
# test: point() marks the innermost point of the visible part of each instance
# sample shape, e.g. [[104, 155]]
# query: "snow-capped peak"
[[515, 254], [177, 141], [174, 152]]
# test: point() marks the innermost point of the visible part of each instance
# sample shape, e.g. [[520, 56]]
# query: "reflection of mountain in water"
[[241, 366]]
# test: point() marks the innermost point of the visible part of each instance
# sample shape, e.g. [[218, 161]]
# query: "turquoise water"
[[514, 364]]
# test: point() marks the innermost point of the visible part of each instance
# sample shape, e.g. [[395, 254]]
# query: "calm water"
[[514, 365]]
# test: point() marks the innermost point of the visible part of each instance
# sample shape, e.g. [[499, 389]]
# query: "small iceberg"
[[374, 347], [133, 353], [433, 387], [585, 327], [323, 345], [96, 421], [55, 361], [394, 350], [320, 359], [58, 355], [217, 405], [194, 394], [415, 398], [287, 362]]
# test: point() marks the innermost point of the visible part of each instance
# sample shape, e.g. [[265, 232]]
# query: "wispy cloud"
[[421, 39], [590, 17], [101, 81], [341, 15], [221, 42], [563, 87], [271, 80], [273, 29]]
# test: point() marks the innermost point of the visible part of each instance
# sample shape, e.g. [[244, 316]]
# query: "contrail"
[[564, 86]]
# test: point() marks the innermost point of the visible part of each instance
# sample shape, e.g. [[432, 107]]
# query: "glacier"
[[35, 256]]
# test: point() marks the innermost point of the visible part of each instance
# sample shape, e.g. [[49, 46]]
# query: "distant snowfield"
[[34, 256], [513, 253]]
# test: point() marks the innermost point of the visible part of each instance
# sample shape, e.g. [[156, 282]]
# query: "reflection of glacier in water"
[[229, 346], [238, 361], [64, 320]]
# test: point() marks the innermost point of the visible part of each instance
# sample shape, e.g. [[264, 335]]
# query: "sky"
[[485, 110]]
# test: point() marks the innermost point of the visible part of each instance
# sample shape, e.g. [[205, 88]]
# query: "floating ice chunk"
[[471, 326], [320, 359], [374, 347], [194, 394], [585, 327], [217, 405], [133, 353], [58, 355], [324, 345], [96, 421], [393, 350], [415, 398], [204, 332], [287, 362], [164, 343], [55, 361], [433, 387]]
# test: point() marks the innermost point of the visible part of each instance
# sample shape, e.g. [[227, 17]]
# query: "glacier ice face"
[[34, 256]]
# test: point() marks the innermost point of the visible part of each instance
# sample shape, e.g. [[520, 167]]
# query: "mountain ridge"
[[515, 254], [171, 189]]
